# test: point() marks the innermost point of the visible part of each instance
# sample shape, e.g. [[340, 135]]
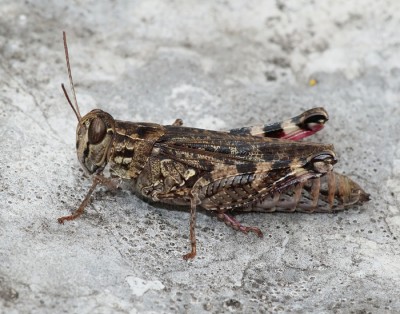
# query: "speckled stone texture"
[[216, 65]]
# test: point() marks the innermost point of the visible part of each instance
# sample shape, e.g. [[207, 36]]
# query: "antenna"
[[76, 107]]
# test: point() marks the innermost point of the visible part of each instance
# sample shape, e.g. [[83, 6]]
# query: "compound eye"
[[97, 131]]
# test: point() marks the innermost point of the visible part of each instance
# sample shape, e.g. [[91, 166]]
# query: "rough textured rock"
[[219, 66]]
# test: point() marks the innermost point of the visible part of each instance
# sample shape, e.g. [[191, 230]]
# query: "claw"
[[190, 255]]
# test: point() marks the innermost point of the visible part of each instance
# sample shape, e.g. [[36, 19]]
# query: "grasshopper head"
[[95, 130], [94, 137]]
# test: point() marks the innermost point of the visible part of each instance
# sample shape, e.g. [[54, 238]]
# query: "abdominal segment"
[[331, 192]]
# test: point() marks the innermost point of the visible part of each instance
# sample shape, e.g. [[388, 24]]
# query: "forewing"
[[208, 150]]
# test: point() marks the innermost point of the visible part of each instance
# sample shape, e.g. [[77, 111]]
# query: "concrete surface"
[[216, 65]]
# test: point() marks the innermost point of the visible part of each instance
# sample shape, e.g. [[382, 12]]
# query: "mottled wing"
[[204, 149]]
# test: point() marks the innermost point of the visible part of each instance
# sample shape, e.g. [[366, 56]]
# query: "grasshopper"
[[261, 168]]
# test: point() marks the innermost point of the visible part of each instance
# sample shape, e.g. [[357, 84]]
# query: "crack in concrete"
[[35, 101]]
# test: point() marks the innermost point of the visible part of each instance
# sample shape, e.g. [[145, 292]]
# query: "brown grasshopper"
[[249, 169]]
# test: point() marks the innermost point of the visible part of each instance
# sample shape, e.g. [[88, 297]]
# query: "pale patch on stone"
[[140, 286], [191, 98], [210, 122]]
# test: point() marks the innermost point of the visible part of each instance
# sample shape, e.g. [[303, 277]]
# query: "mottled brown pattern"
[[133, 141]]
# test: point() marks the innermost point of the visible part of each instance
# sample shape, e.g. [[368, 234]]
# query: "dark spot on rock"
[[270, 76]]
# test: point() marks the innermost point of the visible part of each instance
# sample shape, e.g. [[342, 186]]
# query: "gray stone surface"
[[216, 65]]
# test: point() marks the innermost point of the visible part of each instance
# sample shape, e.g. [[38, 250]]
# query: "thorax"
[[132, 146]]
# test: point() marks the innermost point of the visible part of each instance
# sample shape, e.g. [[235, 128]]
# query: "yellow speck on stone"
[[312, 82]]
